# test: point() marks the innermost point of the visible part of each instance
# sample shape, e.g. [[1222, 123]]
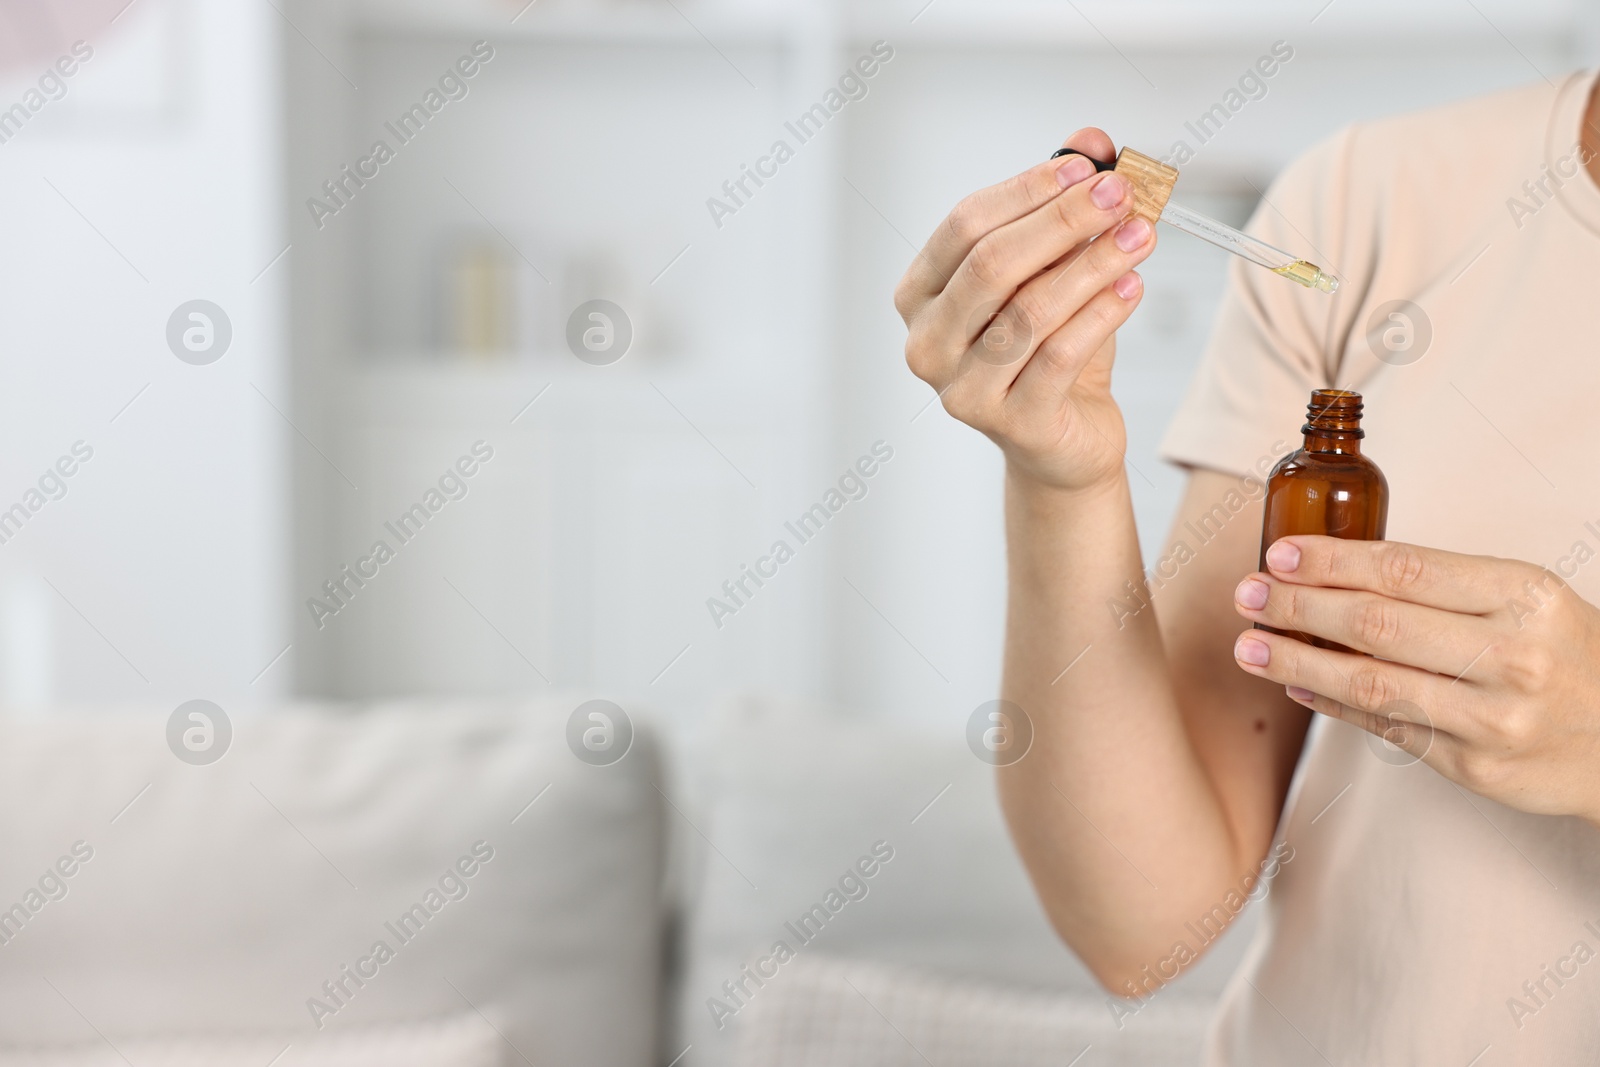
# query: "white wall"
[[161, 574]]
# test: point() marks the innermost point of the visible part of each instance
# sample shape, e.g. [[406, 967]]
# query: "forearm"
[[1113, 801], [1113, 812]]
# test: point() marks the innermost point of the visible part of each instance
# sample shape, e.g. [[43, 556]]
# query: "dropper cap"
[[1150, 179]]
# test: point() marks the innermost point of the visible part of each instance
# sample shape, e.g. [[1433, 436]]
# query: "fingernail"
[[1109, 191], [1073, 171], [1128, 285], [1249, 650], [1283, 556], [1132, 234], [1304, 696], [1251, 594]]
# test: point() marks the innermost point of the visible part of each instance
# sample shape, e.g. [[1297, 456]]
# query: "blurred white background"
[[579, 164], [189, 157]]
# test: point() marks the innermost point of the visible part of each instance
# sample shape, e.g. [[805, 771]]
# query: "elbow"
[[1133, 981], [1130, 979], [1124, 981], [1131, 967]]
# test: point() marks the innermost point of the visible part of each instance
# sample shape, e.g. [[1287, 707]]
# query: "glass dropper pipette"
[[1240, 244]]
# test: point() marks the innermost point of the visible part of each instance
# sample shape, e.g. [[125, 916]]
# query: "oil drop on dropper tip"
[[1309, 275], [1152, 183], [1243, 245]]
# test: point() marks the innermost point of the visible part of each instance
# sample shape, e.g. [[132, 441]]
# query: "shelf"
[[1146, 25], [432, 389], [433, 364], [576, 22], [1094, 25]]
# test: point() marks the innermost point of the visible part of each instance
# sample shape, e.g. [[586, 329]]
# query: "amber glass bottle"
[[1328, 486]]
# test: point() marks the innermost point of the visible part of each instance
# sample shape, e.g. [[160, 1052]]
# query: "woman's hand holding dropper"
[[1013, 307]]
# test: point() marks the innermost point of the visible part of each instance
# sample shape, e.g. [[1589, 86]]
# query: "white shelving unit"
[[625, 495]]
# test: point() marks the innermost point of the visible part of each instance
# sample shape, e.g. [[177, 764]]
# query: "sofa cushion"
[[459, 1042], [250, 896], [838, 1013]]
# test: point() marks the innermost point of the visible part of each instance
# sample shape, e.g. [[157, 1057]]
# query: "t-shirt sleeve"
[[1274, 341]]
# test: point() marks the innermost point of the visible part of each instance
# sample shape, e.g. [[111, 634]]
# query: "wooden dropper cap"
[[1150, 179], [1152, 182]]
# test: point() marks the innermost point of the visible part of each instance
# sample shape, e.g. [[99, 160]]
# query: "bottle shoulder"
[[1304, 464]]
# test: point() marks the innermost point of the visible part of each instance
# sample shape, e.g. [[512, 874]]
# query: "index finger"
[[989, 209], [1473, 585]]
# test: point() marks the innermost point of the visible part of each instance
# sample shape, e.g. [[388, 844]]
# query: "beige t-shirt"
[[1417, 923]]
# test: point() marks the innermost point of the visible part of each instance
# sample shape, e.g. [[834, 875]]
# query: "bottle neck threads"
[[1333, 421]]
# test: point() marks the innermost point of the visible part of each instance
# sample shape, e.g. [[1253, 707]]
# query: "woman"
[[1425, 906]]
